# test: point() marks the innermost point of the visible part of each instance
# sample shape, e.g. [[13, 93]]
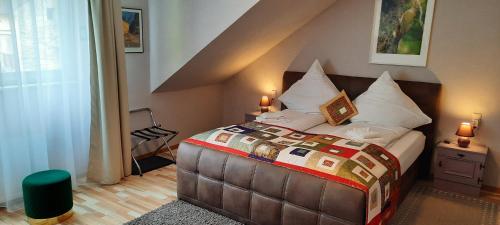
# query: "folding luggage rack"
[[150, 134]]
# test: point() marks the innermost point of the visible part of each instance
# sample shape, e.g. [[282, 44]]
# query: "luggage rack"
[[150, 134]]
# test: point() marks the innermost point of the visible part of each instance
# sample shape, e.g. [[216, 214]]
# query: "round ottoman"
[[48, 197]]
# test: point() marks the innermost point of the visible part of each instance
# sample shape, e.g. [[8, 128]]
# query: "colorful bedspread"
[[364, 166]]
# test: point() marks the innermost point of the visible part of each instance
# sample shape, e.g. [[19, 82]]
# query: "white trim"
[[401, 59]]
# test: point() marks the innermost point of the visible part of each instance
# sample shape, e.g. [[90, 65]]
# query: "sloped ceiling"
[[258, 30], [180, 29]]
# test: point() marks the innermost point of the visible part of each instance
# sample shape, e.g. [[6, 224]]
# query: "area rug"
[[150, 163], [182, 213], [426, 205]]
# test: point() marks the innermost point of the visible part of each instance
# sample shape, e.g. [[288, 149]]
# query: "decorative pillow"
[[310, 92], [339, 109], [385, 104]]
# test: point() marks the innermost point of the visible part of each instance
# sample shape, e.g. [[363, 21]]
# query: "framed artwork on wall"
[[401, 32], [132, 30]]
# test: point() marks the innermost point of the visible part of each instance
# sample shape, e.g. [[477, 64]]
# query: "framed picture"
[[401, 32], [132, 30]]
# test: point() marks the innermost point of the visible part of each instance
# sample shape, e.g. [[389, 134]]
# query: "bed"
[[255, 192]]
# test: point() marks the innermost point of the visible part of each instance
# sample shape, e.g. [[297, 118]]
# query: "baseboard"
[[490, 189], [149, 154]]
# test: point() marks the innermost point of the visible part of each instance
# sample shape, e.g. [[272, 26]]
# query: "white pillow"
[[385, 104], [309, 93]]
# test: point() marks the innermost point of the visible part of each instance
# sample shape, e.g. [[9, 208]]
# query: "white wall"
[[464, 56], [181, 28], [188, 111], [137, 64]]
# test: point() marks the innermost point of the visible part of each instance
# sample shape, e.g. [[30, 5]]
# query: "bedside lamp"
[[464, 132], [264, 104]]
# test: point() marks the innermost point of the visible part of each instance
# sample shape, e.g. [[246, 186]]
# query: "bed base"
[[255, 192]]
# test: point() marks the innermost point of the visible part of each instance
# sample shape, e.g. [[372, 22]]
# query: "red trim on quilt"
[[218, 147], [375, 220]]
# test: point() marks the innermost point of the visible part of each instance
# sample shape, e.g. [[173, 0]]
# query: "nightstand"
[[251, 116], [460, 169]]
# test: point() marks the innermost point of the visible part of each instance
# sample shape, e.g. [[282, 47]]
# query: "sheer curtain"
[[44, 91]]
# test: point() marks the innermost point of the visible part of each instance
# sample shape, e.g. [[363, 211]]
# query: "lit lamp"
[[264, 104], [464, 132]]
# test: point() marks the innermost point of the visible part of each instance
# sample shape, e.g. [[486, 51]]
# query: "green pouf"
[[47, 194]]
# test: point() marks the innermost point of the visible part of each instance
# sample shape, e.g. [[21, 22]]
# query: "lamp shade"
[[465, 130], [264, 101]]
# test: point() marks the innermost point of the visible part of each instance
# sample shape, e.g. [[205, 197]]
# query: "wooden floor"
[[491, 195], [115, 204], [134, 196]]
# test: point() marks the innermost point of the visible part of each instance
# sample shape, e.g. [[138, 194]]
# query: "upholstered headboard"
[[425, 95]]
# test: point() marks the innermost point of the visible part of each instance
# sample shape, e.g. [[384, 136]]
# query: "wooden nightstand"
[[251, 116], [460, 169]]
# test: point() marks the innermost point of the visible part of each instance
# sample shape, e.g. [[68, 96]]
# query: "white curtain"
[[44, 91]]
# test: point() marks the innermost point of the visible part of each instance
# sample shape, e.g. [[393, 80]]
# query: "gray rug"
[[426, 205], [182, 213]]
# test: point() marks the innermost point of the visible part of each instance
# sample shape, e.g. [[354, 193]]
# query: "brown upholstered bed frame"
[[254, 192]]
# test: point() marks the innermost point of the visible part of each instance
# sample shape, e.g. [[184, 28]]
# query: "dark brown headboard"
[[425, 95]]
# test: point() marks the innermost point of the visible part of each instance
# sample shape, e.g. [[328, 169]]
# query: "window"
[[43, 29], [6, 49], [44, 91]]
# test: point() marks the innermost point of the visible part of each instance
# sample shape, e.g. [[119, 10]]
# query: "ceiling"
[[258, 30]]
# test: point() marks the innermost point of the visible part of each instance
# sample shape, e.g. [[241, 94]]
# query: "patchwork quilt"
[[367, 167]]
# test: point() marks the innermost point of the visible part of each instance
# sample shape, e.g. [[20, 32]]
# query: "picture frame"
[[401, 32], [132, 30]]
